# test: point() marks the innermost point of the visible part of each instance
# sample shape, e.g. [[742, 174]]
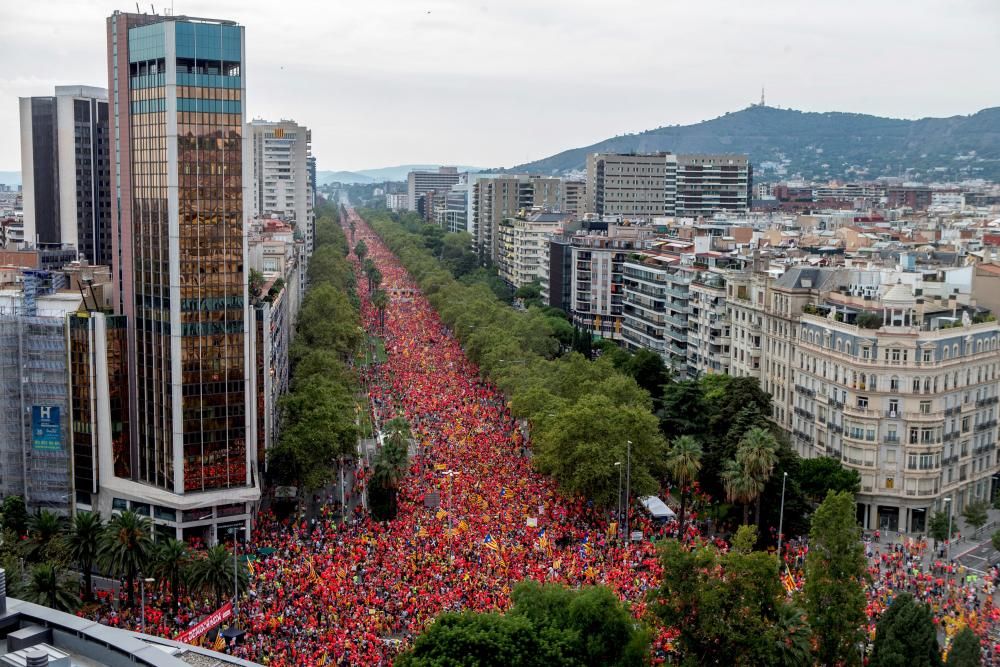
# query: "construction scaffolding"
[[34, 410]]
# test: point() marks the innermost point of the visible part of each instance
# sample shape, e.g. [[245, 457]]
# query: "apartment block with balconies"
[[645, 305], [908, 398]]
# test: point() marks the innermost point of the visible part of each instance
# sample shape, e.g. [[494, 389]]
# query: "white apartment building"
[[522, 254], [709, 330], [910, 406], [420, 182], [282, 184], [397, 201], [678, 294], [745, 300]]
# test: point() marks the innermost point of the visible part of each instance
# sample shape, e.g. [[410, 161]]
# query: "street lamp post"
[[236, 575], [781, 518], [628, 488], [451, 483], [343, 506], [618, 516], [142, 595], [948, 500]]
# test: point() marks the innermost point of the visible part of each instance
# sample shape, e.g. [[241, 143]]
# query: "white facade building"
[[282, 182]]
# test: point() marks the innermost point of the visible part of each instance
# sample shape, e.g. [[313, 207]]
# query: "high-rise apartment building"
[[645, 186], [65, 167], [181, 195], [500, 197], [522, 245], [597, 284], [644, 306], [283, 174], [630, 185], [710, 184], [574, 198], [709, 330], [419, 182]]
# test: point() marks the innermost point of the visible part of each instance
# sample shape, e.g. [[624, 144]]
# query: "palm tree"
[[44, 528], [758, 454], [214, 572], [741, 487], [83, 541], [374, 279], [392, 460], [793, 637], [171, 562], [126, 548], [381, 301], [49, 586], [683, 463]]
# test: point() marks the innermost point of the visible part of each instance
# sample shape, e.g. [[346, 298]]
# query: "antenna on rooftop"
[[137, 10], [762, 97]]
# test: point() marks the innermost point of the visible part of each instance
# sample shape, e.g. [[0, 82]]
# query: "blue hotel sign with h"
[[46, 433]]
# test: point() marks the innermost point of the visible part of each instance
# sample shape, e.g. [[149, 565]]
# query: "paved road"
[[978, 557]]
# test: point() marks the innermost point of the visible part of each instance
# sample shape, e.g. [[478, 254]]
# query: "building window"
[[928, 355], [925, 407], [889, 482]]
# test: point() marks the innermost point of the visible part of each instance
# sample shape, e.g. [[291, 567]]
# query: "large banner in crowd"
[[223, 613]]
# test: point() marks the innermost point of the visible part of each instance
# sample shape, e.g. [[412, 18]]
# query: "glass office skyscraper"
[[176, 89]]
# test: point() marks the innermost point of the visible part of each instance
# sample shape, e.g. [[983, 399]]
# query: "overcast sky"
[[496, 83]]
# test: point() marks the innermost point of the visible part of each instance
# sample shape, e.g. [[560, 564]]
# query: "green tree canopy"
[[835, 572], [937, 528], [906, 636], [50, 586], [15, 514], [823, 474], [729, 608], [126, 548], [965, 650], [83, 542], [548, 625]]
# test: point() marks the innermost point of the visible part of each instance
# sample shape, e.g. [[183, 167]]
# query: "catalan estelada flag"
[[490, 543]]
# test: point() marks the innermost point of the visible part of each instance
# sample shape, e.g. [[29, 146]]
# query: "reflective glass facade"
[[182, 250]]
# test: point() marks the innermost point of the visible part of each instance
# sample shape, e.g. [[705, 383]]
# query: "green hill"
[[845, 146]]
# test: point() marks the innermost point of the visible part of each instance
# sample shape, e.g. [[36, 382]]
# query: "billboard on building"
[[46, 433]]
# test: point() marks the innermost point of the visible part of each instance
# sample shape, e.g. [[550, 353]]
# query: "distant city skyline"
[[390, 82]]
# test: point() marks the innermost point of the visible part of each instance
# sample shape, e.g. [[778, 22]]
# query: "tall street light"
[[781, 518], [236, 575], [628, 488], [142, 594], [618, 516], [451, 482]]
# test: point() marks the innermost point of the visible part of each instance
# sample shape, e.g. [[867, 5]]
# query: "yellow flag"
[[441, 514], [220, 642]]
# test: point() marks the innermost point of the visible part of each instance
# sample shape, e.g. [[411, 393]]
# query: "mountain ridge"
[[818, 145]]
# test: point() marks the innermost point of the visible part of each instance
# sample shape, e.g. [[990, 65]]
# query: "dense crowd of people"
[[474, 519]]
